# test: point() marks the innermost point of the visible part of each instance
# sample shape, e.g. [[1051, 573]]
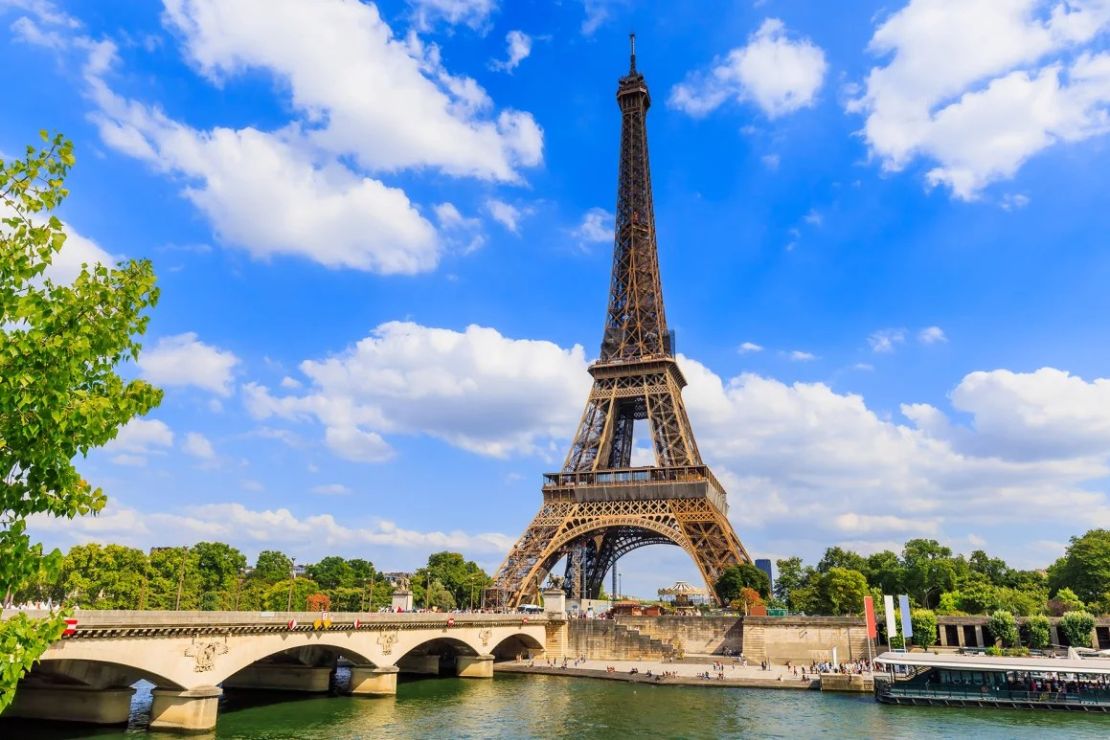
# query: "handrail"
[[629, 476], [993, 693]]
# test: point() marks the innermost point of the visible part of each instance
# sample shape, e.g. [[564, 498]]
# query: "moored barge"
[[1077, 684]]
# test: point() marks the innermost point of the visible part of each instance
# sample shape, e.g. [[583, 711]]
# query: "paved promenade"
[[687, 674]]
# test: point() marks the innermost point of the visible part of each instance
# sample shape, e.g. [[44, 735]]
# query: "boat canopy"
[[989, 663]]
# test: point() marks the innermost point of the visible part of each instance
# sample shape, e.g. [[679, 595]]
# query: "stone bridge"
[[191, 657]]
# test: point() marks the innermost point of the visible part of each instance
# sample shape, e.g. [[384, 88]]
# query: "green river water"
[[554, 707]]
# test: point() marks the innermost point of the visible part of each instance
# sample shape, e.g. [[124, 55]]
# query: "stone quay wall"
[[779, 639]]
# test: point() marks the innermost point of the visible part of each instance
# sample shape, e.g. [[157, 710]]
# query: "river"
[[514, 706]]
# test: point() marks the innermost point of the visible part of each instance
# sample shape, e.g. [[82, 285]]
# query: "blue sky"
[[382, 234]]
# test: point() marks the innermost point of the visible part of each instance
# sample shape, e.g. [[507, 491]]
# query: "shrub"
[[1016, 652], [317, 602], [994, 650], [1004, 628], [924, 627], [897, 643], [1037, 632], [1077, 627]]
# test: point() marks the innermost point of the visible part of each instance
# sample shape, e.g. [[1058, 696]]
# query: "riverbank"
[[737, 677]]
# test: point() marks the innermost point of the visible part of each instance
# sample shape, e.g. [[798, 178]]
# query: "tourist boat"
[[1073, 683]]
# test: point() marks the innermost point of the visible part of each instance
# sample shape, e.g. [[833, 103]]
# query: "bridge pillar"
[[474, 666], [111, 706], [282, 677], [423, 664], [371, 681], [193, 710]]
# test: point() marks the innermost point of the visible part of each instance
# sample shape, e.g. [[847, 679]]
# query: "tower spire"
[[635, 324]]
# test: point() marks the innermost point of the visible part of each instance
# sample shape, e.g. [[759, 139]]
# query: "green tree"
[[272, 566], [949, 603], [841, 591], [994, 570], [440, 597], [924, 623], [462, 578], [218, 566], [1085, 567], [1021, 602], [735, 577], [838, 557], [1004, 628], [331, 572], [60, 395], [278, 599], [792, 575], [1077, 627], [884, 571], [1064, 601], [103, 576], [929, 570], [1037, 634], [173, 579], [977, 595]]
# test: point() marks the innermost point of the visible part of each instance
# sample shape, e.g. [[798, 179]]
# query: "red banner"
[[869, 615]]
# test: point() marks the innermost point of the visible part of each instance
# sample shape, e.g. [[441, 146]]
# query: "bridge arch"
[[658, 530], [519, 644], [96, 673]]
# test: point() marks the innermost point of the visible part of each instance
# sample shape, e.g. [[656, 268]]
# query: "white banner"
[[891, 625]]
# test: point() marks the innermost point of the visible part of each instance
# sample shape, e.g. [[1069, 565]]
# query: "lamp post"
[[181, 579], [292, 582], [238, 587]]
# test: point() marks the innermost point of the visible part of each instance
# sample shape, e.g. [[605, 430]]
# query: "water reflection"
[[552, 707]]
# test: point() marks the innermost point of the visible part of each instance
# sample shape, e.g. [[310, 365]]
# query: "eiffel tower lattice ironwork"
[[599, 507]]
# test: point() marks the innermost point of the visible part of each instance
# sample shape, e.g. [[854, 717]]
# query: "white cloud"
[[519, 47], [137, 439], [980, 104], [777, 73], [818, 459], [474, 389], [310, 536], [198, 446], [387, 101], [183, 360], [932, 335], [263, 192], [885, 340], [473, 13], [597, 226], [1014, 201], [507, 215], [771, 161], [867, 523], [598, 12], [798, 355], [747, 347], [366, 104], [331, 489], [1040, 415], [813, 218]]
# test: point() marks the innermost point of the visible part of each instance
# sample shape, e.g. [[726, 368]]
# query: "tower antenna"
[[632, 44]]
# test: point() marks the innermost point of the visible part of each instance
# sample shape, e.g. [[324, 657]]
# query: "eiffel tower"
[[599, 507]]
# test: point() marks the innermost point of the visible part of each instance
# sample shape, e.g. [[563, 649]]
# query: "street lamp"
[[239, 587], [181, 579], [292, 582]]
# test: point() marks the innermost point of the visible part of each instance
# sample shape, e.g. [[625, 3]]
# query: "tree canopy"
[[60, 394]]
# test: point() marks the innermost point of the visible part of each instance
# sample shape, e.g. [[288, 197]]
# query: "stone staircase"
[[603, 639]]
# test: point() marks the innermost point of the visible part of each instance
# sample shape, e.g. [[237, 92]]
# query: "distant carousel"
[[683, 598]]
